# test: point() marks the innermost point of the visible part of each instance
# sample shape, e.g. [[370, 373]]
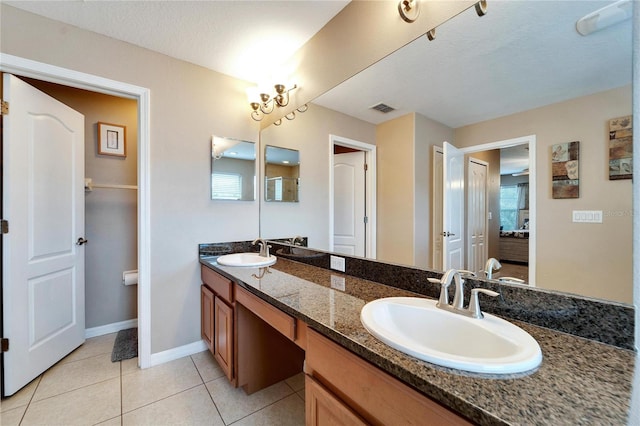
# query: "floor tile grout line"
[[207, 389], [196, 367], [263, 408], [162, 399], [73, 390], [60, 363], [30, 399]]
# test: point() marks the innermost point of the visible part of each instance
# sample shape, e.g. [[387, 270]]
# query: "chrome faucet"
[[491, 265], [264, 247], [297, 240], [453, 276]]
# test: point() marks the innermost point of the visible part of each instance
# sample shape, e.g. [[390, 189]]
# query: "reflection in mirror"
[[233, 169], [482, 81], [281, 174]]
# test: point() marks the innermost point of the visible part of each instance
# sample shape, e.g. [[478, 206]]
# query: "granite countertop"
[[579, 382]]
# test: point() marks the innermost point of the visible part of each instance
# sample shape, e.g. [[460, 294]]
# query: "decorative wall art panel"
[[564, 170], [620, 148]]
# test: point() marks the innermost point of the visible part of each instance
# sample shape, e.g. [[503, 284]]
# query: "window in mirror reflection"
[[233, 169], [282, 174]]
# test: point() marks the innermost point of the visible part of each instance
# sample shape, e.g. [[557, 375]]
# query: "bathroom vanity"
[[312, 314]]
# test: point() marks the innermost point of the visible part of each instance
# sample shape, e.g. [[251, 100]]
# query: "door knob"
[[81, 241], [448, 234]]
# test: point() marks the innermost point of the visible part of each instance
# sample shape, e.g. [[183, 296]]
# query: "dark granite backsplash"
[[607, 322]]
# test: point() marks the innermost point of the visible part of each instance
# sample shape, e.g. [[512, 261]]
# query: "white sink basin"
[[246, 259], [417, 327]]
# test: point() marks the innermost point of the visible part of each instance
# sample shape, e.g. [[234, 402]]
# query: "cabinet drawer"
[[220, 285], [277, 319], [370, 392]]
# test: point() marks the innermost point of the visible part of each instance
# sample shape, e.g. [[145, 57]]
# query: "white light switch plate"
[[587, 216], [337, 263]]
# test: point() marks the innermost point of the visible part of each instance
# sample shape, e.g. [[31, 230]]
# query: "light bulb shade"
[[605, 17], [253, 95]]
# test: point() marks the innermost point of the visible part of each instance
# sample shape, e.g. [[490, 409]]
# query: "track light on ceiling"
[[605, 17], [481, 10], [264, 103], [409, 10]]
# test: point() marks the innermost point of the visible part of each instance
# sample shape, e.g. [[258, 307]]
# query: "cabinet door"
[[323, 408], [223, 347], [206, 316]]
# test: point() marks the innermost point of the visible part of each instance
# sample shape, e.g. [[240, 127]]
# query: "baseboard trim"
[[179, 352], [110, 328]]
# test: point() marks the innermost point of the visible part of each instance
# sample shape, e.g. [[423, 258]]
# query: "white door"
[[477, 220], [438, 188], [349, 203], [43, 259], [453, 208]]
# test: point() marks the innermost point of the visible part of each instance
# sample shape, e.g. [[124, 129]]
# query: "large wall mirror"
[[233, 169], [498, 82], [281, 174]]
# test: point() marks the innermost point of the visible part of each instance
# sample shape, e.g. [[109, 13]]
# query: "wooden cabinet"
[[224, 330], [323, 408], [255, 344], [344, 385], [206, 322], [217, 320]]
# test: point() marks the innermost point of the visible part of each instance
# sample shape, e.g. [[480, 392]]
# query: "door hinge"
[[366, 167], [4, 226], [5, 108], [366, 219], [4, 345]]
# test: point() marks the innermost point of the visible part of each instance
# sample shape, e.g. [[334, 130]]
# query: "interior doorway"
[[48, 73], [352, 200], [529, 140]]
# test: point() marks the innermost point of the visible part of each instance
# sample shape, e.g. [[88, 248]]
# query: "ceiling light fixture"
[[525, 172], [264, 103], [605, 17]]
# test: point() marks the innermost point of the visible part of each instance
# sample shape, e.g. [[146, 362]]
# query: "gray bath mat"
[[126, 345]]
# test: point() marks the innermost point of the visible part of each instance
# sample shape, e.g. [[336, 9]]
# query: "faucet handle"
[[474, 303], [444, 282]]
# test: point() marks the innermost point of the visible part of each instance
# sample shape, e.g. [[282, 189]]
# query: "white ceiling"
[[243, 39], [520, 55], [523, 54]]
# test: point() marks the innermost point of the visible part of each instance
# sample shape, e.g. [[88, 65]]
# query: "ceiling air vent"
[[383, 108]]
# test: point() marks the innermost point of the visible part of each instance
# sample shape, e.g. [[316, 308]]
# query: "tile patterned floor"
[[86, 388]]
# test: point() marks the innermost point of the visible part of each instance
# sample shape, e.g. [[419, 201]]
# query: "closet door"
[[43, 253]]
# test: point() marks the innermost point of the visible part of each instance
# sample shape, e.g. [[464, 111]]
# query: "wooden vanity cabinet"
[[206, 316], [217, 319], [343, 389]]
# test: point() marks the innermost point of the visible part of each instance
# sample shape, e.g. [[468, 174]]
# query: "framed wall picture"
[[564, 167], [620, 148], [112, 140]]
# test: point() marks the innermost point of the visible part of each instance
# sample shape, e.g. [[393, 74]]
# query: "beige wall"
[[395, 197], [428, 133], [183, 117], [110, 214], [405, 185], [310, 134], [590, 259]]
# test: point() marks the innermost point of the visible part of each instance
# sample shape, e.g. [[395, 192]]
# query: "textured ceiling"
[[244, 39], [521, 55]]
